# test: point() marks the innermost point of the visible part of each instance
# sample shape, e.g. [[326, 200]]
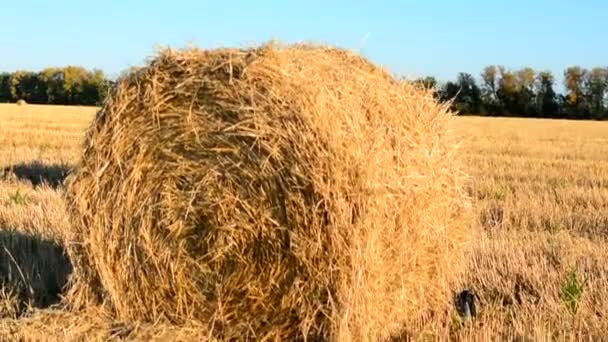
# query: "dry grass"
[[541, 190], [541, 193]]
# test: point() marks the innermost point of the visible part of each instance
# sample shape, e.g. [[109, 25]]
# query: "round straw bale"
[[271, 192]]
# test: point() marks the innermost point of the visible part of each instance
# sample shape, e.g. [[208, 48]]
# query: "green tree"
[[71, 85], [55, 90], [489, 89], [546, 98], [449, 92], [595, 88], [95, 88], [26, 85], [5, 87], [84, 87], [74, 79], [465, 94]]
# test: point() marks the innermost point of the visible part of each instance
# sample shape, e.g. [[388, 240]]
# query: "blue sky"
[[411, 38]]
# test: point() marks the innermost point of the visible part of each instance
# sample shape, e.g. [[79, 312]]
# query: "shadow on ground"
[[33, 272], [38, 173]]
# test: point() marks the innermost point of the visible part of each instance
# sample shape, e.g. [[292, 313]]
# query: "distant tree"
[[449, 91], [508, 91], [5, 87], [465, 94], [55, 90], [74, 79], [525, 98], [26, 85], [95, 88], [426, 82], [16, 86], [71, 85], [489, 88], [527, 93], [596, 88], [547, 104], [470, 93], [515, 91], [575, 100]]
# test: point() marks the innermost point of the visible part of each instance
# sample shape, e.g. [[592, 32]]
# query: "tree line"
[[499, 91], [527, 93], [70, 85]]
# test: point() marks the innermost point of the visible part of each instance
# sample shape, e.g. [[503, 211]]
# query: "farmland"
[[540, 196]]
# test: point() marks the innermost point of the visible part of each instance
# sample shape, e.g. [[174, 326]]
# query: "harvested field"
[[540, 190]]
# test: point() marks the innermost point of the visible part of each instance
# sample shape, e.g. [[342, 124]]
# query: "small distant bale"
[[21, 102], [270, 193]]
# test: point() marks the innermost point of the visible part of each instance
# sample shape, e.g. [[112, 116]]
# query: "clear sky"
[[411, 38]]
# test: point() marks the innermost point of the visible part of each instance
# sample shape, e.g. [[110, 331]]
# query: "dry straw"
[[33, 272], [269, 193]]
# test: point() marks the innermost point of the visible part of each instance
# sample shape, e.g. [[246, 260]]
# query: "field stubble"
[[540, 190]]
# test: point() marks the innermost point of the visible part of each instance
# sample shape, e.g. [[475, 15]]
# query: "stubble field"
[[538, 264]]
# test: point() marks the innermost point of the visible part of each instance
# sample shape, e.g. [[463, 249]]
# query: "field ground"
[[538, 265]]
